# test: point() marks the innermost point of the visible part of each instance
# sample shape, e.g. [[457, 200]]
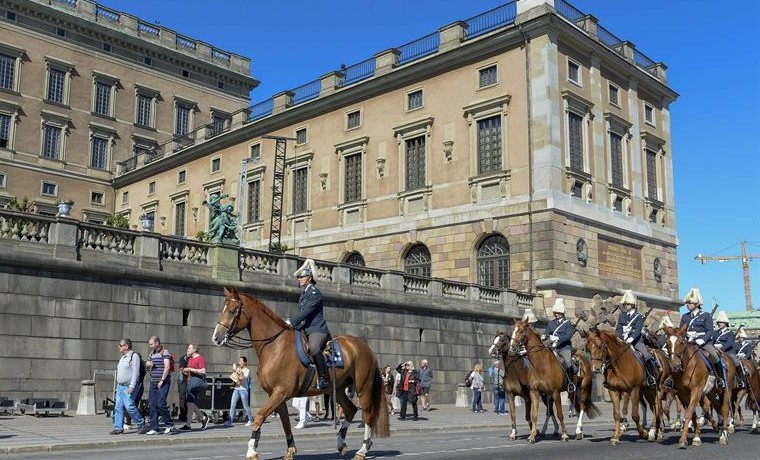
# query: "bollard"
[[86, 405], [463, 396]]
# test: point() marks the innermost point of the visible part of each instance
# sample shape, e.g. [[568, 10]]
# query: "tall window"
[[254, 201], [99, 155], [179, 218], [5, 131], [144, 115], [414, 100], [301, 137], [182, 122], [56, 85], [489, 144], [573, 72], [575, 130], [417, 261], [652, 174], [614, 93], [300, 190], [220, 122], [415, 163], [103, 98], [616, 159], [493, 262], [7, 72], [353, 177], [354, 119], [487, 76], [51, 142]]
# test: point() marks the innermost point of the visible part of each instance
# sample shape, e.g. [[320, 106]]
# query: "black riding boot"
[[319, 360], [650, 368], [720, 375]]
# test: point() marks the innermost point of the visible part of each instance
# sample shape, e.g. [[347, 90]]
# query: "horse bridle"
[[606, 352], [238, 343], [228, 334]]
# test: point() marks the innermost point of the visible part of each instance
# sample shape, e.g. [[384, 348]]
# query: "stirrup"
[[321, 384], [651, 381], [668, 383], [719, 383], [570, 387]]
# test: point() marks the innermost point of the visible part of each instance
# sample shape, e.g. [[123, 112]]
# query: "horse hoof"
[[578, 436], [531, 439], [290, 453], [614, 442], [565, 438], [252, 457], [512, 437], [359, 456], [731, 429], [343, 450], [696, 442], [682, 444]]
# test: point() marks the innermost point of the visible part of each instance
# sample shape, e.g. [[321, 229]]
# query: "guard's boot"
[[571, 372], [319, 360], [720, 375], [650, 368]]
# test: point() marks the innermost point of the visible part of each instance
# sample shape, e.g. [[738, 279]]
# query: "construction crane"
[[745, 258]]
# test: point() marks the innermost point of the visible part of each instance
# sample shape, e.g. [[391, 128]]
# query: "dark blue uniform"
[[701, 327], [311, 311], [563, 329]]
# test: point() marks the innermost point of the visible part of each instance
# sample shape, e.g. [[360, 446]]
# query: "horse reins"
[[238, 343]]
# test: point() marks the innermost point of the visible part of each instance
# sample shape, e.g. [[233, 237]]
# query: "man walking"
[[160, 383], [127, 373]]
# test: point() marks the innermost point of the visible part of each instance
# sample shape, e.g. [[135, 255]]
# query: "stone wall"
[[70, 290]]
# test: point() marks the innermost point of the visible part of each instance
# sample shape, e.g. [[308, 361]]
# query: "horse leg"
[[615, 397], [349, 410], [512, 416], [558, 412], [690, 415], [276, 404], [534, 397], [635, 402]]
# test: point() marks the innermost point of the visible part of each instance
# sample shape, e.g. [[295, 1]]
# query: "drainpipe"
[[529, 105]]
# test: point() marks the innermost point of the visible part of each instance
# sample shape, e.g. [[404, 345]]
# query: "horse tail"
[[590, 410], [381, 428]]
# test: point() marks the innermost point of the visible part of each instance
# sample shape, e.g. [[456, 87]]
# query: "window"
[[575, 138], [182, 177], [616, 160], [417, 261], [103, 98], [415, 163], [414, 100], [8, 71], [573, 72], [353, 119], [220, 122], [301, 136], [300, 190], [124, 197], [151, 187], [256, 152], [614, 94], [649, 114], [3, 178], [353, 177], [182, 120], [487, 76], [652, 175], [99, 152], [355, 259], [145, 107], [216, 165], [254, 201], [97, 198], [49, 189], [51, 141], [489, 145], [56, 85], [179, 218], [5, 131], [493, 262]]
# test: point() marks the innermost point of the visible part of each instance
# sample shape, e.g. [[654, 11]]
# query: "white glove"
[[287, 321], [718, 346], [554, 338], [700, 342], [741, 355], [522, 351], [626, 329], [543, 337], [691, 334], [629, 340]]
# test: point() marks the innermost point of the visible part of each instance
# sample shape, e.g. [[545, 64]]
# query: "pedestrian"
[[137, 393], [182, 390], [499, 395], [329, 407], [388, 381], [426, 380], [160, 383], [311, 318], [396, 400], [127, 375], [407, 389], [196, 382], [241, 392], [477, 386], [302, 404]]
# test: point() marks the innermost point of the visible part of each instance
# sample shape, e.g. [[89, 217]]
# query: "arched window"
[[355, 259], [493, 262], [417, 261]]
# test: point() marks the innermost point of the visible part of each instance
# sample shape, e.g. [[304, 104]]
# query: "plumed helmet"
[[722, 317], [307, 269], [559, 306], [529, 316], [666, 321], [693, 297], [628, 298], [741, 334]]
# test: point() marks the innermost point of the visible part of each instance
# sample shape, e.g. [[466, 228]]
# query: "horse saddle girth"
[[331, 349]]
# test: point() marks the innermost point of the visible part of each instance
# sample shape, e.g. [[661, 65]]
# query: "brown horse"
[[545, 377], [623, 375], [692, 381], [517, 368], [282, 375], [749, 390]]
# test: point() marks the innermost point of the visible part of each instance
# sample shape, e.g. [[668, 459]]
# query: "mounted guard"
[[629, 326], [559, 333], [725, 342], [700, 332]]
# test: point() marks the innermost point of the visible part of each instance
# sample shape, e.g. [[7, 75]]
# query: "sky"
[[708, 47]]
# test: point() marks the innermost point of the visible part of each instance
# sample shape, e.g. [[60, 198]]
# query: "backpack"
[[171, 363], [468, 380], [141, 376]]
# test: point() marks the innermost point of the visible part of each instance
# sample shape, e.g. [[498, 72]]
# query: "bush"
[[117, 220]]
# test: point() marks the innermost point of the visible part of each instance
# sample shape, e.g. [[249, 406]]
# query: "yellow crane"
[[745, 258]]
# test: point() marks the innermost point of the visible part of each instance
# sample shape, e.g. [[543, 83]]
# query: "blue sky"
[[709, 48]]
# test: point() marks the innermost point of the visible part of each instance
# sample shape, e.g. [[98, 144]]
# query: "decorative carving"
[[448, 151], [581, 252], [323, 181], [380, 167], [657, 269]]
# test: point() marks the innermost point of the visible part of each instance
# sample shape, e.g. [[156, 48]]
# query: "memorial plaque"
[[619, 261]]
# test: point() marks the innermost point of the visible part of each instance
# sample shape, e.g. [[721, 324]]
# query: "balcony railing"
[[490, 20], [358, 72], [419, 48]]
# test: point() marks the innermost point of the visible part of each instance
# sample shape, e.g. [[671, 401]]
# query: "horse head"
[[598, 349], [676, 344], [231, 319], [499, 346], [519, 337]]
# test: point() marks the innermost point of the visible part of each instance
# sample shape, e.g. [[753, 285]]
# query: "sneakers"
[[228, 423], [171, 430], [300, 425], [151, 432], [185, 428], [142, 429], [115, 431], [249, 423], [206, 419]]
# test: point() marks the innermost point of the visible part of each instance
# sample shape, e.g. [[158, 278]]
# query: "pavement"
[[27, 433]]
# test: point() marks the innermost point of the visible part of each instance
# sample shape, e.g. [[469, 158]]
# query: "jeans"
[[408, 397], [136, 396], [157, 404], [476, 404], [499, 398], [124, 401], [242, 395]]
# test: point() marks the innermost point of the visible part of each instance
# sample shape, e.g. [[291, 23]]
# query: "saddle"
[[331, 350]]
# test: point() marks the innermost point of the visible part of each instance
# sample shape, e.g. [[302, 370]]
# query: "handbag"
[[418, 390]]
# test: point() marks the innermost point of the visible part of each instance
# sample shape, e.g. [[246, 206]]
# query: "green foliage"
[[117, 220], [280, 248], [202, 236], [21, 206]]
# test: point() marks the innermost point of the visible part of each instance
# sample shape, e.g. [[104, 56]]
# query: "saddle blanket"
[[334, 357]]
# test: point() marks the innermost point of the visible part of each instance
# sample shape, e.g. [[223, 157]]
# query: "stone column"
[[386, 61], [147, 248], [224, 262], [452, 35], [329, 82], [63, 237], [282, 101]]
